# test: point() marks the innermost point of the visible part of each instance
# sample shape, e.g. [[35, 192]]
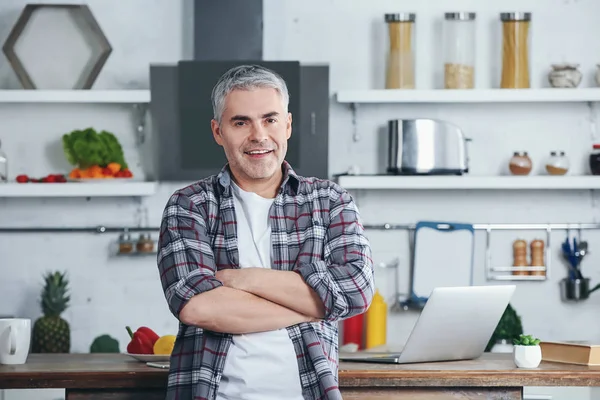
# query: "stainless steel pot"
[[576, 289]]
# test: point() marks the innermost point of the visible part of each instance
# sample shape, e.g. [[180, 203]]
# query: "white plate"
[[101, 180], [150, 357]]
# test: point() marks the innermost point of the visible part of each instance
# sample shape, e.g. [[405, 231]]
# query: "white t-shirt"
[[263, 365]]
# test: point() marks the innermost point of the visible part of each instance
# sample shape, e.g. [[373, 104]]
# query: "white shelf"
[[75, 96], [76, 189], [469, 95], [434, 182]]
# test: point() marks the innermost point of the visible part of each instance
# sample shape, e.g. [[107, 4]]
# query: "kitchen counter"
[[120, 377]]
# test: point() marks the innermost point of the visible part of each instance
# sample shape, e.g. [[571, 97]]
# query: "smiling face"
[[253, 132]]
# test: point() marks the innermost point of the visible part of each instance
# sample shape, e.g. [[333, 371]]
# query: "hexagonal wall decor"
[[57, 46]]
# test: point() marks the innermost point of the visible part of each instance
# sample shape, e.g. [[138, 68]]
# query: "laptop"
[[456, 323]]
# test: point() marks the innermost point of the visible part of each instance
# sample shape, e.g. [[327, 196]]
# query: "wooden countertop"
[[121, 371]]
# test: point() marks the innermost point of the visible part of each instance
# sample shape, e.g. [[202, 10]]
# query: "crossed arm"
[[257, 299]]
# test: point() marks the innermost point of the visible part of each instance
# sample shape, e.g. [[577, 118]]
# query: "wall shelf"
[[545, 95], [77, 189], [75, 96], [435, 182]]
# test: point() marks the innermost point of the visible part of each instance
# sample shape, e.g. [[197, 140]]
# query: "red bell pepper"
[[142, 341], [148, 333]]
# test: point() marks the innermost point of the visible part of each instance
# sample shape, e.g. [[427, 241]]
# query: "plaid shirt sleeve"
[[344, 279], [185, 259]]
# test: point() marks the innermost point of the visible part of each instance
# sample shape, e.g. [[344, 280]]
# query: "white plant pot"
[[527, 356]]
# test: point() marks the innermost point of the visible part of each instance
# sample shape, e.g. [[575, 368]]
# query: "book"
[[571, 352]]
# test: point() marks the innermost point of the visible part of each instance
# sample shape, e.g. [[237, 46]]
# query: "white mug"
[[15, 337]]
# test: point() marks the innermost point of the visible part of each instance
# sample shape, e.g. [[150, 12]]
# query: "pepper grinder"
[[537, 256], [520, 256]]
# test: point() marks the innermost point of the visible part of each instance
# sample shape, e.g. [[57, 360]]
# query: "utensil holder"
[[575, 289]]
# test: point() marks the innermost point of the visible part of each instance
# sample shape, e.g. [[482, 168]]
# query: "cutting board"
[[443, 256]]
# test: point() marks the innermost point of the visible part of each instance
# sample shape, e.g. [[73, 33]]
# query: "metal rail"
[[385, 227], [485, 227], [82, 229]]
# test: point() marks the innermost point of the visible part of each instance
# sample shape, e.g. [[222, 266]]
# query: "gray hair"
[[246, 77]]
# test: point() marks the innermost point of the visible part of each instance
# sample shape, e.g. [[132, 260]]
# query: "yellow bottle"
[[376, 319]]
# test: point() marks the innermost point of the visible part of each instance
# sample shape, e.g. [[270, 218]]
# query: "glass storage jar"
[[400, 69], [459, 50], [3, 166], [145, 244], [595, 159], [125, 243], [520, 163], [515, 50], [557, 163]]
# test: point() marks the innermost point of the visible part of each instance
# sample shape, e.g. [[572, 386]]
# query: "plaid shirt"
[[316, 231]]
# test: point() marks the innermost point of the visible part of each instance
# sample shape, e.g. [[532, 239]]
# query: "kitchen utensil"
[[426, 147], [569, 253], [162, 365], [150, 357], [397, 304], [582, 250], [443, 256]]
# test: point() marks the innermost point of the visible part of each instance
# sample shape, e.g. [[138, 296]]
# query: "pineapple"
[[51, 333]]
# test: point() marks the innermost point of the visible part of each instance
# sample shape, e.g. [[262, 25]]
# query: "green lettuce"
[[84, 148]]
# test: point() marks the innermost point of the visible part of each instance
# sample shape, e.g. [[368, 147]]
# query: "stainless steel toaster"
[[426, 146]]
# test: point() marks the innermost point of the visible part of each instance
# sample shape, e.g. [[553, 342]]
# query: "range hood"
[[181, 109]]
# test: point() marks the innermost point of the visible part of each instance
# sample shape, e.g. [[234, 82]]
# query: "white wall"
[[110, 293]]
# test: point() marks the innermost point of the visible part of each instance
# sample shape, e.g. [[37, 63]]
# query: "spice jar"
[[565, 75], [401, 60], [557, 164], [125, 243], [145, 244], [515, 50], [3, 167], [459, 50], [520, 163], [595, 160]]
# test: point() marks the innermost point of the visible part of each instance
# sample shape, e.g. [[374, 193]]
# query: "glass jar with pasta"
[[459, 50], [400, 71], [515, 50]]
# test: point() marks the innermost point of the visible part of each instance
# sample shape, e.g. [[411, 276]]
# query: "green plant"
[[509, 328], [526, 340], [85, 148]]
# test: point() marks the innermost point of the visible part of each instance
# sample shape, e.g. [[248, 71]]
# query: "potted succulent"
[[527, 351]]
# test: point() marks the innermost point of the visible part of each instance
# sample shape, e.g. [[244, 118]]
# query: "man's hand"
[[285, 288], [235, 278]]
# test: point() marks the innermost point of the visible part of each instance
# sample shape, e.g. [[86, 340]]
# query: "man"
[[257, 263]]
